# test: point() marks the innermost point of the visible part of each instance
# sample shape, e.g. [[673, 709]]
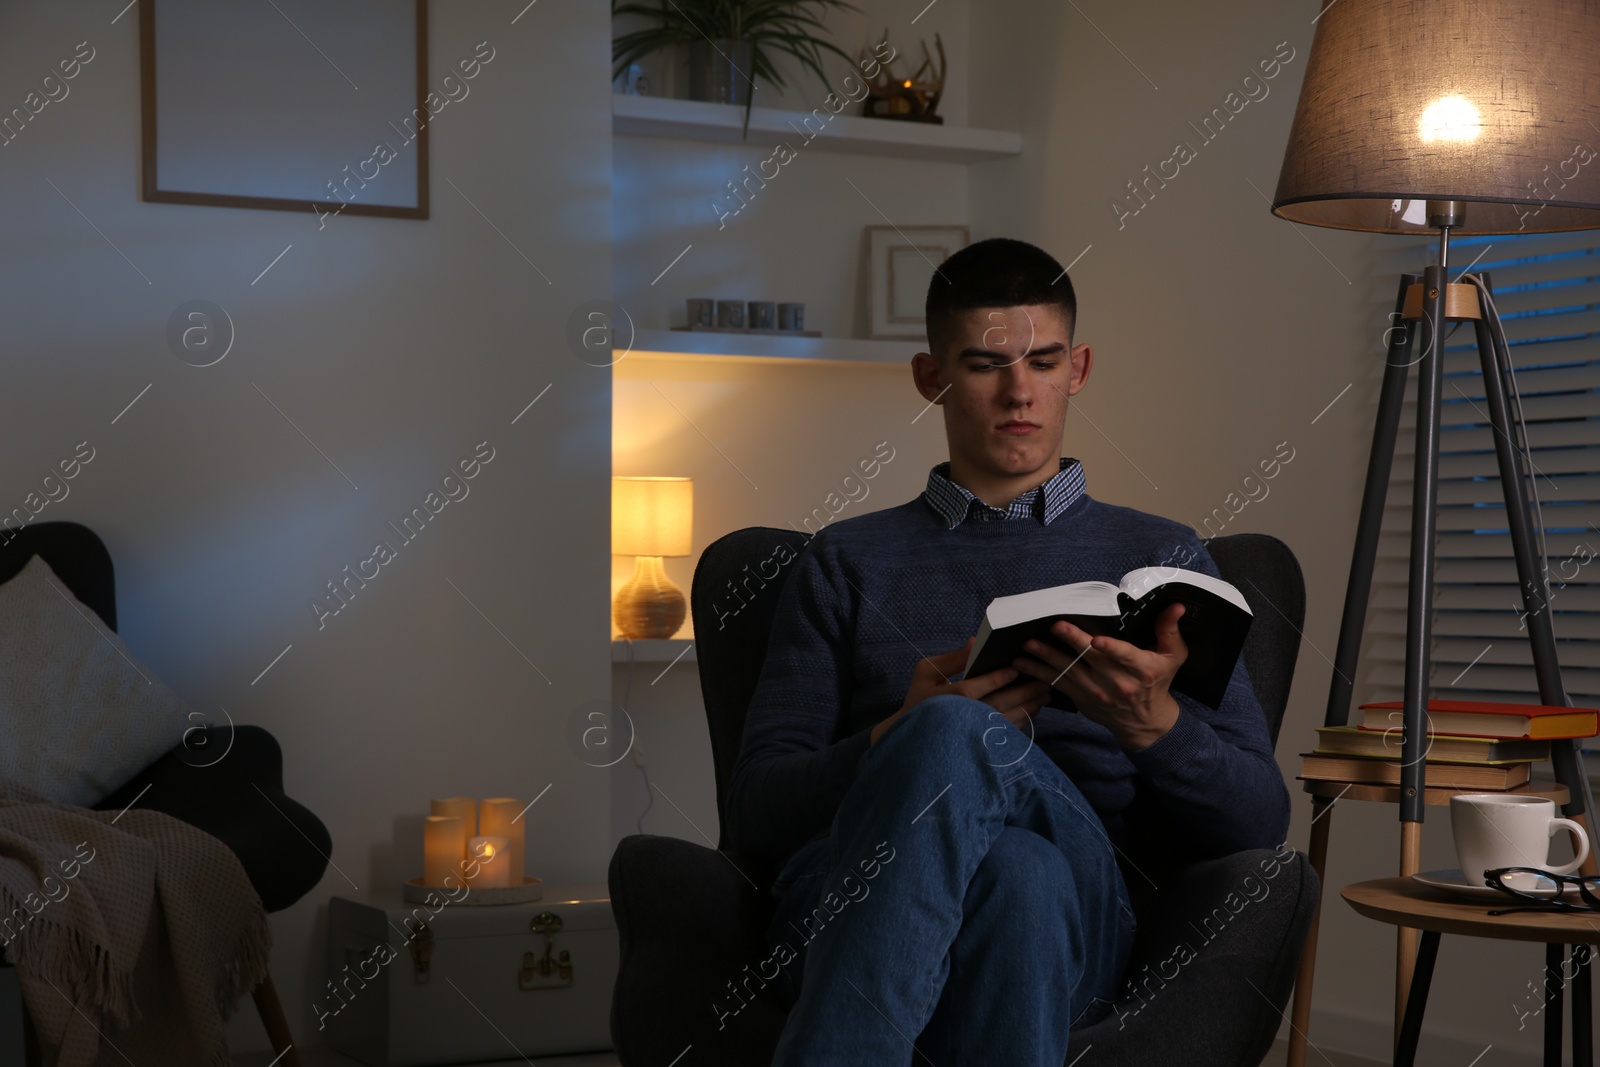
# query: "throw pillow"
[[79, 715]]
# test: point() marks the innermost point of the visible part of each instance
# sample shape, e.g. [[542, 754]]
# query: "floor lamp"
[[1445, 117]]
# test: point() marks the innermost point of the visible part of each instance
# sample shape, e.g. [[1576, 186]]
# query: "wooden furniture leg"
[[1300, 1020], [1405, 936], [277, 1026]]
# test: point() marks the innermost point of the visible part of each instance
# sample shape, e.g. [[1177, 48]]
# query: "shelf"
[[709, 346], [694, 120], [665, 650]]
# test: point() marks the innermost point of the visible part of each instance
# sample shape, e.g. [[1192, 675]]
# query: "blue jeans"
[[967, 897]]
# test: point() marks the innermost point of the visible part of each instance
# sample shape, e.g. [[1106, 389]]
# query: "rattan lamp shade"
[[1491, 102]]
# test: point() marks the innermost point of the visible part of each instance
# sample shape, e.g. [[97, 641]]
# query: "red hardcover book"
[[1476, 718]]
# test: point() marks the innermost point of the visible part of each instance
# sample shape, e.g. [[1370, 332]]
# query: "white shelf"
[[694, 120], [665, 650], [763, 347]]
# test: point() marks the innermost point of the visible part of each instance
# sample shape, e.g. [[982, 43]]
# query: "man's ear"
[[928, 375], [1082, 359]]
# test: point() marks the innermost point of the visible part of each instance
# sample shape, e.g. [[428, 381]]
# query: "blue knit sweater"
[[871, 595]]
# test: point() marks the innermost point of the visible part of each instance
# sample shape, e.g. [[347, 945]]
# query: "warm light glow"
[[485, 850], [908, 83], [1450, 118], [652, 516]]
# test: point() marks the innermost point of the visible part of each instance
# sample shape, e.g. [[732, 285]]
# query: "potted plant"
[[731, 42]]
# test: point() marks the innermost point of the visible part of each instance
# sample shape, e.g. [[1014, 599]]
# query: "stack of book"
[[1470, 744]]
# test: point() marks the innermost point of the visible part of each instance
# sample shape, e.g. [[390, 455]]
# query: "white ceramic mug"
[[1506, 830]]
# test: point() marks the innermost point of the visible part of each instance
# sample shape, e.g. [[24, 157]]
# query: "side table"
[[1324, 795], [1402, 902]]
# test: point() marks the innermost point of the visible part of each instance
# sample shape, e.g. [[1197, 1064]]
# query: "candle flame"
[[485, 851]]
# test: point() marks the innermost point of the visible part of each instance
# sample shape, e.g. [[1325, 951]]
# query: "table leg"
[[1405, 937], [1554, 960], [1582, 1008], [1405, 1052], [1300, 1020]]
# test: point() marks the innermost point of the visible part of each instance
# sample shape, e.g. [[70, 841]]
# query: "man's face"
[[1004, 383]]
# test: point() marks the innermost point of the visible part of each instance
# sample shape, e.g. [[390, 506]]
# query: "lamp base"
[[650, 605]]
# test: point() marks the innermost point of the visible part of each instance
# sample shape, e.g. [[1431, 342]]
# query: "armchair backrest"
[[733, 600], [74, 552]]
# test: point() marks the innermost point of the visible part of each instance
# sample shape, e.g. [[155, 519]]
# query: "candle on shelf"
[[463, 808], [444, 846], [493, 859], [497, 817]]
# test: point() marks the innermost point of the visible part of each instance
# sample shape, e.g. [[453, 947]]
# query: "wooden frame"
[[406, 111], [923, 247]]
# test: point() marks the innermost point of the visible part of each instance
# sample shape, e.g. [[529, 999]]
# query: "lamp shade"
[[652, 516], [1491, 102]]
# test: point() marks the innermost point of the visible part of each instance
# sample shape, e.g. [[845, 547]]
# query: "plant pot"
[[720, 71]]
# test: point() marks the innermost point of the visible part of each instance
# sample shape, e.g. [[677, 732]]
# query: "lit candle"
[[463, 808], [493, 860], [444, 846], [497, 817]]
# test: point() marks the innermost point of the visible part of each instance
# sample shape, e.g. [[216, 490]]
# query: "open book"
[[1213, 625]]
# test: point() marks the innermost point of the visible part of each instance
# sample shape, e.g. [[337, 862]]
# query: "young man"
[[959, 857]]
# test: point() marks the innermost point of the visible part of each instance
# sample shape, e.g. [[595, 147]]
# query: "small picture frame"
[[900, 264]]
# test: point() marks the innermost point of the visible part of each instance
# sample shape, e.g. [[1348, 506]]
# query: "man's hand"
[[1119, 685], [931, 677]]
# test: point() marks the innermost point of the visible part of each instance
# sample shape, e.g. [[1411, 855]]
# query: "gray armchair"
[[691, 920]]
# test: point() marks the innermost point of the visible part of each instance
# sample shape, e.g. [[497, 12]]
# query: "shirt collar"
[[955, 503]]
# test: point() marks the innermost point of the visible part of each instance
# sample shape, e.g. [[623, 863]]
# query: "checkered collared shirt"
[[955, 503]]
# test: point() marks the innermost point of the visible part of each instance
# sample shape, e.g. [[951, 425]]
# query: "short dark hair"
[[1000, 272]]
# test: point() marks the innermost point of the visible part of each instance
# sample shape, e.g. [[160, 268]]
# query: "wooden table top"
[[1402, 902], [1431, 795]]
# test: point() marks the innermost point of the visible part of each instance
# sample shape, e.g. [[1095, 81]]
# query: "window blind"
[[1547, 289]]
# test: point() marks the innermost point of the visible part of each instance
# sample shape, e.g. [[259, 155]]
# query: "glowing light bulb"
[[1450, 118]]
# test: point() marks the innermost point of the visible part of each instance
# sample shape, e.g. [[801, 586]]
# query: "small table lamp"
[[650, 518]]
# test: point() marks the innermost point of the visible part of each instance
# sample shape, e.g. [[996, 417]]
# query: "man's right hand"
[[931, 677]]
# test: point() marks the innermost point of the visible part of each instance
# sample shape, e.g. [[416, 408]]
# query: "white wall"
[[396, 346]]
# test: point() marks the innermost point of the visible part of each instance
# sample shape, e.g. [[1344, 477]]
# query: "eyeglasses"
[[1560, 901]]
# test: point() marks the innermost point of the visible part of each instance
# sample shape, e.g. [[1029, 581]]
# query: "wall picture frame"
[[283, 106], [900, 264]]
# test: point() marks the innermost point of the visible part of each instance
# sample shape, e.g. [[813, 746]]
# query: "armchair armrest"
[[699, 916], [238, 798], [1212, 965]]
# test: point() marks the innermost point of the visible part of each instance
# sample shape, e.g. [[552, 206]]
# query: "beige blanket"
[[80, 891]]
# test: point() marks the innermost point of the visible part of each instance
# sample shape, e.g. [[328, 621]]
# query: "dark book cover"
[[1212, 626]]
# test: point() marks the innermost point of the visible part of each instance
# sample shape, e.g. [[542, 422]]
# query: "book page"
[[1079, 598], [1139, 582]]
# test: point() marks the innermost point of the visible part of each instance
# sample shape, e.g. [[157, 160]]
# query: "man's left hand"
[[1123, 687]]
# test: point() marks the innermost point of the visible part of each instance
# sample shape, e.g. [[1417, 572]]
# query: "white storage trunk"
[[419, 986]]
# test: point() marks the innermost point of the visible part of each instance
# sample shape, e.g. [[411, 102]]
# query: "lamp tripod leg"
[[1495, 361]]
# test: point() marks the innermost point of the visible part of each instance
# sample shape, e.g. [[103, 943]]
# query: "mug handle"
[[1579, 836]]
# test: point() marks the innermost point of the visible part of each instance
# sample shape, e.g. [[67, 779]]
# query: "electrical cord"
[[636, 749]]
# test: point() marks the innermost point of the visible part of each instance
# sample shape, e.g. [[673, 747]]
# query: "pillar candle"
[[444, 846], [493, 859], [497, 817], [463, 808]]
